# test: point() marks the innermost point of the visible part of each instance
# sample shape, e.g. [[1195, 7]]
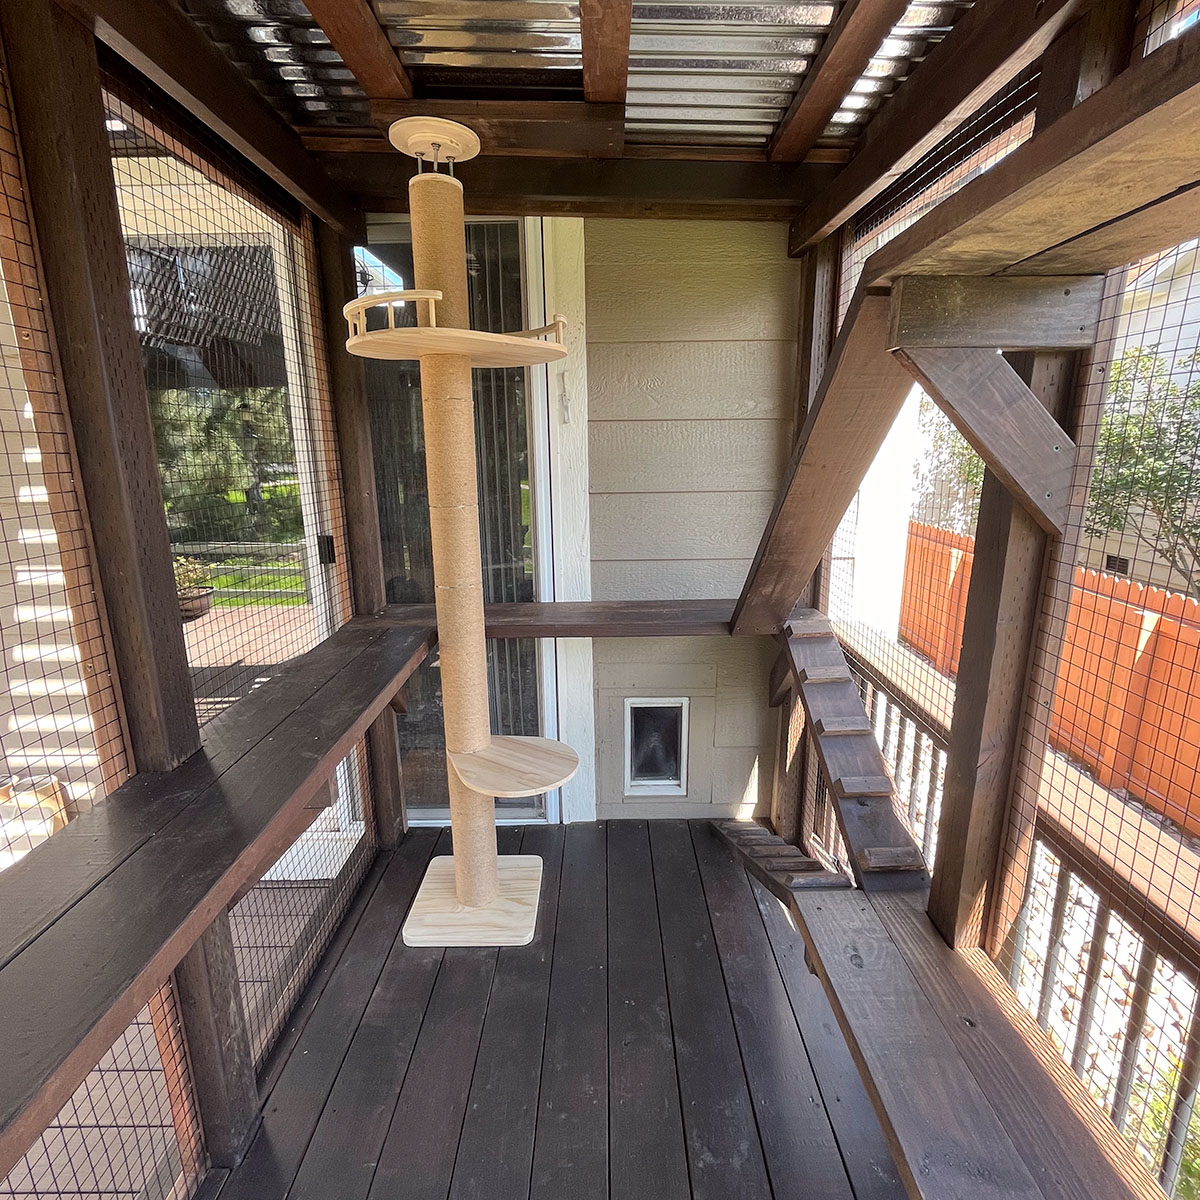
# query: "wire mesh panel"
[[130, 1131], [283, 925], [1098, 920], [61, 726], [224, 300], [1162, 20]]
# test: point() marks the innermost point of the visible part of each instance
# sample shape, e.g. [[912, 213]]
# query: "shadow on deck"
[[660, 1038]]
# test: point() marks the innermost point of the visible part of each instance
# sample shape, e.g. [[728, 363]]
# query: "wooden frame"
[[604, 28], [363, 46]]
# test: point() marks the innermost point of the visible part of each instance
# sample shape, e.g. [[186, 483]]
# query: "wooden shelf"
[[516, 766], [483, 349]]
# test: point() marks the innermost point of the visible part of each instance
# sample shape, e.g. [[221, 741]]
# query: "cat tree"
[[474, 897]]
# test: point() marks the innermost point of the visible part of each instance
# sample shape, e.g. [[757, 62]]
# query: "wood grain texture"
[[355, 33], [687, 525], [516, 766], [154, 905], [644, 1105], [990, 45], [544, 128], [585, 618], [1009, 312], [849, 45], [1014, 434], [633, 580], [946, 1137], [645, 457], [860, 396], [604, 27], [1059, 185], [724, 1150], [689, 381], [793, 1124]]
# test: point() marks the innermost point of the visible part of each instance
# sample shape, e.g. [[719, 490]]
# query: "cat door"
[[656, 743]]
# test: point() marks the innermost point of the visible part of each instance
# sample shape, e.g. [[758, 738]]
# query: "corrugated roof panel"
[[715, 73], [279, 47]]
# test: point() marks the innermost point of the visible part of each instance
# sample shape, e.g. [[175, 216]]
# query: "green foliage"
[[191, 573], [1145, 477], [228, 464], [949, 473]]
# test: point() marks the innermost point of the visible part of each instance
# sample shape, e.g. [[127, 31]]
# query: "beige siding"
[[691, 382]]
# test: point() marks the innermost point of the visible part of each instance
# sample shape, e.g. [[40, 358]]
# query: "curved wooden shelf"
[[516, 766], [484, 349]]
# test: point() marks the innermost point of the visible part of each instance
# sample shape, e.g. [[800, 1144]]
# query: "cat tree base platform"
[[438, 919]]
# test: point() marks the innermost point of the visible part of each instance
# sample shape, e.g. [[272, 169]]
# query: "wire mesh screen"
[[1097, 917], [130, 1131], [993, 131], [283, 925], [496, 294], [224, 300], [61, 727], [1159, 21]]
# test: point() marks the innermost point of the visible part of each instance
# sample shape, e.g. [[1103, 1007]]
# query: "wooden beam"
[[853, 39], [596, 187], [347, 385], [173, 53], [587, 618], [218, 1044], [1010, 313], [74, 206], [540, 128], [860, 397], [1085, 170], [1008, 581], [1009, 429], [604, 27], [355, 33], [989, 45]]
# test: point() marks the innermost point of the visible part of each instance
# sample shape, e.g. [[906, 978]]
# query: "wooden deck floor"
[[660, 1039]]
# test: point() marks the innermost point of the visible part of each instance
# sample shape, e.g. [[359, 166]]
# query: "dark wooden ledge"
[[587, 618], [97, 917]]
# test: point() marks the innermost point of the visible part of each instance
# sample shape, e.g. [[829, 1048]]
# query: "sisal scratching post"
[[475, 897]]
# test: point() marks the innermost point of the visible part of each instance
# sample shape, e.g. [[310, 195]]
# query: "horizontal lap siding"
[[691, 331]]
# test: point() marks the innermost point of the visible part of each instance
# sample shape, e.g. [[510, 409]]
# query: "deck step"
[[784, 868]]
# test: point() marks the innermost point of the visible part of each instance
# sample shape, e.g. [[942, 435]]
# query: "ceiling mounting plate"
[[433, 138]]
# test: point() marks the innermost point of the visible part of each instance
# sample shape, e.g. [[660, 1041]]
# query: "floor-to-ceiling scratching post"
[[475, 897]]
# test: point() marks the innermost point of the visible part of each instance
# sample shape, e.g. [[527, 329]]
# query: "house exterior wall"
[[691, 344]]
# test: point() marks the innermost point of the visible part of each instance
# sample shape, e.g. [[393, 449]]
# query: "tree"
[[1144, 482], [949, 473]]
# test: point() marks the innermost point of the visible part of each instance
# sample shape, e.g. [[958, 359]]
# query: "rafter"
[[604, 27], [357, 36], [989, 45], [854, 37]]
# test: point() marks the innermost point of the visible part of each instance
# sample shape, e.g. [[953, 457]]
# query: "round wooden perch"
[[516, 766]]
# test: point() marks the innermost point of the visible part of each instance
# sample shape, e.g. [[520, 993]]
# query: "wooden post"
[[1011, 567], [210, 1004], [74, 207], [347, 387]]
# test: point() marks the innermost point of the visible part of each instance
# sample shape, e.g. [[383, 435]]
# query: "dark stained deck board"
[[864, 1148], [645, 1121], [495, 1152], [570, 1153], [644, 1045], [725, 1154], [797, 1139], [294, 1106]]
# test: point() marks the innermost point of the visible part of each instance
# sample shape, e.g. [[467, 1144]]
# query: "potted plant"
[[192, 582]]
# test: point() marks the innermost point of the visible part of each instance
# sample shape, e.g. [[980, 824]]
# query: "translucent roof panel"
[[278, 45], [717, 74]]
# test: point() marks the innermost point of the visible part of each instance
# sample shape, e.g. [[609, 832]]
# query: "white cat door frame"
[[675, 785]]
